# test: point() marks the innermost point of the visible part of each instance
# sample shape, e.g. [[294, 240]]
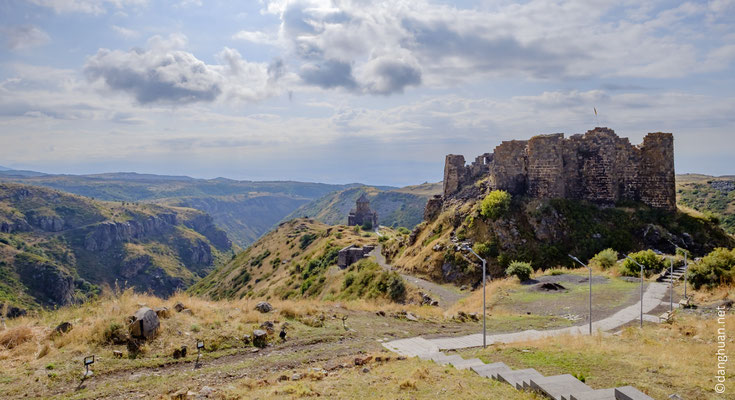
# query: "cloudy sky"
[[353, 91]]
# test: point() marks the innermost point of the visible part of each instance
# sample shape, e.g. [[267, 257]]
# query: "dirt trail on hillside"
[[445, 296]]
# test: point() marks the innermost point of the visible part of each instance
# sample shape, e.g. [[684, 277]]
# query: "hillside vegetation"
[[402, 207], [57, 248], [542, 232], [244, 209], [298, 260], [713, 196]]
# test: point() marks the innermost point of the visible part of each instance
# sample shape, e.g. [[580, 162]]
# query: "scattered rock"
[[463, 287], [380, 313], [163, 312], [365, 370], [246, 339], [363, 361], [260, 338], [435, 303], [117, 354], [187, 311], [296, 377], [179, 307], [63, 327], [474, 316], [264, 307], [180, 353], [206, 391], [724, 304], [268, 326], [411, 317], [144, 324], [282, 378], [282, 335]]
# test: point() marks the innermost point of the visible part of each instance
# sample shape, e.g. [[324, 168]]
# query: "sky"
[[353, 91]]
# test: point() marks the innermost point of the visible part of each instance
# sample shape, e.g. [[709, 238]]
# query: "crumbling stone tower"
[[597, 166]]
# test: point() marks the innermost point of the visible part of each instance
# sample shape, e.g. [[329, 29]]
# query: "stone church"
[[362, 214]]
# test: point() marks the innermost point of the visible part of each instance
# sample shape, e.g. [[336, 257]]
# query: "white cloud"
[[24, 36], [125, 32], [86, 6], [165, 73], [256, 37]]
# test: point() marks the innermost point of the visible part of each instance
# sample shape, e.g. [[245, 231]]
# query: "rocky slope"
[[56, 248], [713, 196], [542, 232], [299, 260], [402, 207]]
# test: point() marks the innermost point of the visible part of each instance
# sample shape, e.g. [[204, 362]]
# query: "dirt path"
[[445, 296]]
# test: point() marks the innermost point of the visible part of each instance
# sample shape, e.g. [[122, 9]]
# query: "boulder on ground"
[[260, 338], [144, 324], [163, 312], [268, 326], [179, 307], [264, 307], [63, 327]]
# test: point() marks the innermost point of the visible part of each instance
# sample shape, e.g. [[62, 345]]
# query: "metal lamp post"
[[484, 264], [639, 265], [590, 281]]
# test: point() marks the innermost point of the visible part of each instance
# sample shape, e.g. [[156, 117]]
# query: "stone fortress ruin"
[[597, 166]]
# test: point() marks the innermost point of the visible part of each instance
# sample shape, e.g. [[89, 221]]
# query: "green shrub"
[[486, 250], [605, 259], [115, 333], [652, 263], [495, 204], [367, 226], [404, 231], [366, 279], [521, 270], [716, 268], [306, 240]]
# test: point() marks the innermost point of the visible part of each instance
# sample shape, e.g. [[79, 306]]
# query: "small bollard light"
[[87, 362], [200, 346]]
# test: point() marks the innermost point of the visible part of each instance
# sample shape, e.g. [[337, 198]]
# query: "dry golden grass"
[[494, 291], [15, 336]]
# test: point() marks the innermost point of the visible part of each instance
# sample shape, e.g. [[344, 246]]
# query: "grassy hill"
[[57, 248], [712, 196], [398, 207], [244, 209], [298, 260]]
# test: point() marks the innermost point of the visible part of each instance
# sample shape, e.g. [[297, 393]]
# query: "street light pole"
[[641, 267], [484, 265], [671, 286], [590, 281]]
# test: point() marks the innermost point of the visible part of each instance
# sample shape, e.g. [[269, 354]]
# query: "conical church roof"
[[363, 199]]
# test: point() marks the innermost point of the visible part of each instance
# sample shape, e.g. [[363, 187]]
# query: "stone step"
[[599, 394], [630, 393], [490, 370], [559, 387], [430, 356], [454, 358], [466, 364], [519, 379]]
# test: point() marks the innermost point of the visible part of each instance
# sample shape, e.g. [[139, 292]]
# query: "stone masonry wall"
[[598, 166]]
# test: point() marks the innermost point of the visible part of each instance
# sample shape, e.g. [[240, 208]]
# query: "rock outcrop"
[[105, 234], [46, 281], [144, 324]]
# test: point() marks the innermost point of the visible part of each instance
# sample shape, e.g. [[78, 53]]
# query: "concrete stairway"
[[677, 274], [558, 387]]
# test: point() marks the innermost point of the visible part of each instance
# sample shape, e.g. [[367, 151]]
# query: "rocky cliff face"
[[104, 235], [49, 283]]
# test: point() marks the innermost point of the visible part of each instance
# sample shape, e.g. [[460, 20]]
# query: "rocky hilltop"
[[578, 195], [56, 248]]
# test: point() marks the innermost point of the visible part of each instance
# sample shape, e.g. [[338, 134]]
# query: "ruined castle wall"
[[456, 174], [545, 177], [657, 182], [509, 166], [598, 166]]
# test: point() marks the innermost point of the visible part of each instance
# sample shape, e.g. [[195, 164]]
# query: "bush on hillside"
[[521, 270], [652, 264], [306, 240], [487, 249], [495, 204], [365, 279], [404, 231], [604, 259], [716, 268], [367, 226]]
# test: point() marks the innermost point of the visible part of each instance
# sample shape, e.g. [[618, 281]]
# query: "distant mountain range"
[[244, 209], [714, 196]]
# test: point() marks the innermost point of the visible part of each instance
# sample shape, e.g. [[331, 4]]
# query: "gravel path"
[[446, 297]]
